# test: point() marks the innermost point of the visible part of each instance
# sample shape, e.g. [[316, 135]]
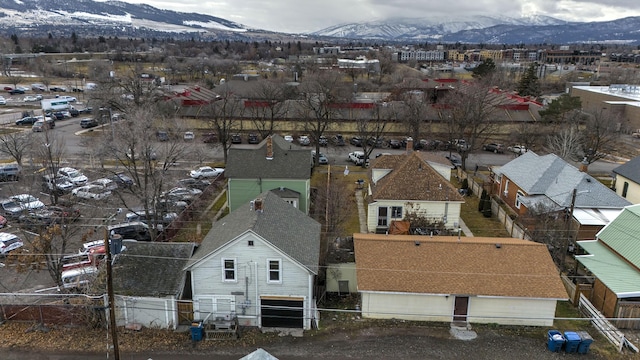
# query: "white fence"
[[610, 332]]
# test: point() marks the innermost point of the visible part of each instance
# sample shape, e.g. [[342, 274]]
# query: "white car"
[[3, 101], [70, 99], [9, 242], [518, 149], [73, 175], [91, 192], [304, 140], [288, 138], [105, 183], [189, 135], [27, 202], [30, 98], [205, 172]]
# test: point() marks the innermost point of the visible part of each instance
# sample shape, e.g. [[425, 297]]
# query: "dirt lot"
[[343, 340]]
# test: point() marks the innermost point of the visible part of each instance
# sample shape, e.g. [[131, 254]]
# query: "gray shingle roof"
[[151, 268], [554, 178], [280, 224], [630, 169], [289, 161]]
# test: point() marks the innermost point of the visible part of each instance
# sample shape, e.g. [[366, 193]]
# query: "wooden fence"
[[610, 332]]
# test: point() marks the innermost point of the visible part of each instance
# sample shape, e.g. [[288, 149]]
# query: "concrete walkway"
[[362, 217]]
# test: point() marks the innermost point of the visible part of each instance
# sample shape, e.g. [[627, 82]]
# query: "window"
[[519, 196], [382, 216], [273, 273], [229, 270], [250, 242], [625, 188], [396, 212]]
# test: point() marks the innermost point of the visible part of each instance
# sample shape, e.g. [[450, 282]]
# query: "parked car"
[[122, 179], [206, 172], [65, 213], [236, 139], [37, 219], [461, 145], [338, 140], [199, 184], [29, 98], [3, 101], [87, 123], [162, 135], [288, 138], [105, 183], [356, 141], [189, 136], [209, 138], [73, 175], [136, 230], [322, 158], [38, 87], [16, 91], [10, 172], [27, 201], [9, 242], [11, 209], [357, 157], [57, 88], [27, 120], [253, 139], [91, 192], [375, 142], [42, 125], [56, 184], [395, 144], [304, 140], [181, 194], [493, 147], [455, 160], [518, 149], [323, 141]]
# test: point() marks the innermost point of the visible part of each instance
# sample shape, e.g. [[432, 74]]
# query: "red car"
[[8, 88]]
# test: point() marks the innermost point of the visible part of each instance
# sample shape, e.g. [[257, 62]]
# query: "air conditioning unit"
[[505, 193]]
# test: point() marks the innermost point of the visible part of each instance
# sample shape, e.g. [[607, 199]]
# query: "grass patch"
[[475, 221]]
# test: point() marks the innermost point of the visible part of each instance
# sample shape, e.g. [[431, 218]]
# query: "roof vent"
[[417, 243], [498, 246]]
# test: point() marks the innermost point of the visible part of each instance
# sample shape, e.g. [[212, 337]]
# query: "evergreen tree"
[[558, 109], [485, 68], [529, 85]]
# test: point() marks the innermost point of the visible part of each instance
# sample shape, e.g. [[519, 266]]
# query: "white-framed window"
[[519, 196], [274, 271], [229, 270], [396, 212]]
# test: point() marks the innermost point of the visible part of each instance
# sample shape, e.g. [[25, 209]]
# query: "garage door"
[[282, 313]]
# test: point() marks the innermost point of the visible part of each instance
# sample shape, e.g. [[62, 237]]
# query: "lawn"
[[475, 221]]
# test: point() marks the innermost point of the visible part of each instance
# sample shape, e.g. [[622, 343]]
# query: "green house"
[[273, 164]]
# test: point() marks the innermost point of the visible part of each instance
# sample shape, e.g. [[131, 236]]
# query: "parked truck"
[[57, 104]]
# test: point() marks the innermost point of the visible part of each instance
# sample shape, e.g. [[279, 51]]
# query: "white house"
[[415, 183], [259, 263], [467, 279]]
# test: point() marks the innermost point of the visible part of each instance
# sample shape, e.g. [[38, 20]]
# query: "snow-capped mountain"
[[428, 28], [113, 17]]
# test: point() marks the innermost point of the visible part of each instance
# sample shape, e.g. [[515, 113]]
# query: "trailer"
[[57, 104]]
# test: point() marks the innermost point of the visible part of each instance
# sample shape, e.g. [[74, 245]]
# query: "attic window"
[[250, 242]]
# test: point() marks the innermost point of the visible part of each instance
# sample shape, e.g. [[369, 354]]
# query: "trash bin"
[[197, 331], [572, 341], [555, 340], [585, 342]]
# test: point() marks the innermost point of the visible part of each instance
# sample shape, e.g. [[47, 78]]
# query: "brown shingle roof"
[[412, 178], [446, 265]]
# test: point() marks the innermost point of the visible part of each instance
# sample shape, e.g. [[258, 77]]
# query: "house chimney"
[[409, 145], [269, 148], [258, 205], [584, 165]]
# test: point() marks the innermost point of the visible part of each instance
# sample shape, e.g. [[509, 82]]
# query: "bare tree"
[[372, 126], [15, 145], [318, 110], [269, 103], [599, 135], [223, 115], [49, 150], [413, 109], [546, 225], [566, 143]]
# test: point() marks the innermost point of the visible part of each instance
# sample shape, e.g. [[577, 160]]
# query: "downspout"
[[258, 309]]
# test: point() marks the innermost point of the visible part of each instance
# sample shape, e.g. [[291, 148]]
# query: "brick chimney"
[[409, 145], [258, 205], [584, 165], [269, 148]]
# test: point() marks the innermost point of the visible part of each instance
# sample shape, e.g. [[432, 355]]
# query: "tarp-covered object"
[[399, 227]]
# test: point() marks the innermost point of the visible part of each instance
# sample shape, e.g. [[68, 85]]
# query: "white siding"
[[415, 307], [344, 272], [149, 312], [512, 311], [431, 209], [423, 307], [251, 264]]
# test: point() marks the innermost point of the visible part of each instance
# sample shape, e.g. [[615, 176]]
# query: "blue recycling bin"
[[197, 331], [585, 342], [555, 340], [572, 341]]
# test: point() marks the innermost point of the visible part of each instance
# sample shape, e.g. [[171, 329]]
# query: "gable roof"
[[411, 178], [446, 265], [279, 223], [151, 268], [612, 270], [551, 176], [622, 235], [289, 161], [630, 169]]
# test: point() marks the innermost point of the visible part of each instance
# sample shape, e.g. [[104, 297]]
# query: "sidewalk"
[[361, 213]]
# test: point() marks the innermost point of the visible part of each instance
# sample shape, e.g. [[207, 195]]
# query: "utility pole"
[[112, 307], [565, 248]]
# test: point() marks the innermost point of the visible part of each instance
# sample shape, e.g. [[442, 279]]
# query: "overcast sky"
[[299, 16]]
